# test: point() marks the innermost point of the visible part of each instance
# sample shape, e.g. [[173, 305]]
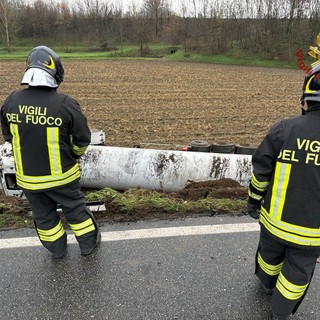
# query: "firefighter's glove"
[[253, 208]]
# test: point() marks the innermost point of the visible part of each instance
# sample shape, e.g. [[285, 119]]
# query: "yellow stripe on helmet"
[[51, 65], [308, 84]]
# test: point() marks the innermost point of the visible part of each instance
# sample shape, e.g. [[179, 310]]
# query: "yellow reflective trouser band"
[[46, 182], [259, 185], [78, 150], [79, 229], [289, 290], [271, 270], [290, 232], [51, 235]]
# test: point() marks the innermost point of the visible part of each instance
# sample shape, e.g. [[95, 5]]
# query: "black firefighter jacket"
[[48, 133], [286, 175]]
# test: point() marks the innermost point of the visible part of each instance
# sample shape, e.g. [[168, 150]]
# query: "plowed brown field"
[[138, 101], [170, 104]]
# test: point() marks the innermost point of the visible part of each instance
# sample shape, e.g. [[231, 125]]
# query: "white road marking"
[[143, 234]]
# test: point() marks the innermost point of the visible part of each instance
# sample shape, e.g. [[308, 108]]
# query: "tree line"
[[273, 29]]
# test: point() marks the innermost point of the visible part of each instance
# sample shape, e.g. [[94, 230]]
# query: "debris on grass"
[[197, 199]]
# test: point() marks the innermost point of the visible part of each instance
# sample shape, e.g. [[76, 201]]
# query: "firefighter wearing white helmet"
[[48, 133], [284, 196]]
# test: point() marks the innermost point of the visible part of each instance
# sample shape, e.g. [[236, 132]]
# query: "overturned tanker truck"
[[124, 168]]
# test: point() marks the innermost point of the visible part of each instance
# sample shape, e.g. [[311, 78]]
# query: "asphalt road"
[[141, 272]]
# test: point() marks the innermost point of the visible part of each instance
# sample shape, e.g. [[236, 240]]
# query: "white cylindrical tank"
[[125, 168], [167, 170]]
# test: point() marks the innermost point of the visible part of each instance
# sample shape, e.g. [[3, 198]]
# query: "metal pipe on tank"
[[167, 170]]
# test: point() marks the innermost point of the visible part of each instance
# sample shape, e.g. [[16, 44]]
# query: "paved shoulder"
[[188, 269]]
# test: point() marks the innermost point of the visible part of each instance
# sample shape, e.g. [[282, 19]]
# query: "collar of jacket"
[[313, 106], [42, 88]]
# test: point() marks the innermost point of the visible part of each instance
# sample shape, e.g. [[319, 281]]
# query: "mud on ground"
[[219, 189]]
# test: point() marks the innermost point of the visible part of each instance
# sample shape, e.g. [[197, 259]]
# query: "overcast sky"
[[175, 5], [192, 7], [126, 4]]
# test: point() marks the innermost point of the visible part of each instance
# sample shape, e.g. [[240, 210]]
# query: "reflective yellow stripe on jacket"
[[254, 195], [56, 177], [46, 182], [54, 151], [259, 185], [16, 148], [272, 220], [257, 188], [78, 150], [279, 189], [289, 232]]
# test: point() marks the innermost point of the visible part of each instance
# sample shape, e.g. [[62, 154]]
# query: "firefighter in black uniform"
[[284, 195], [48, 133]]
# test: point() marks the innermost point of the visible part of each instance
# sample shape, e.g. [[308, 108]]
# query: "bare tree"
[[8, 19], [194, 5], [270, 28], [64, 21], [93, 18], [204, 5], [295, 9], [157, 10], [184, 9], [118, 21]]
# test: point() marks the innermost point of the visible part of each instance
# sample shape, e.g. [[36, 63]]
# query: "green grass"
[[14, 221], [156, 51], [230, 60], [65, 53], [86, 51], [137, 203], [102, 195], [141, 199], [13, 215]]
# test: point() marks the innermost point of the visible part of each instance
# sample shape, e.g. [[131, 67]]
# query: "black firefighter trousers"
[[286, 269], [44, 205]]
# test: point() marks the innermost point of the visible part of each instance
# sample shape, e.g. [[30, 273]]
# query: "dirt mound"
[[12, 205], [223, 188]]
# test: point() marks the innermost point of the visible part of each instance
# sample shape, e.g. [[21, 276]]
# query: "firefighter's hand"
[[253, 208]]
